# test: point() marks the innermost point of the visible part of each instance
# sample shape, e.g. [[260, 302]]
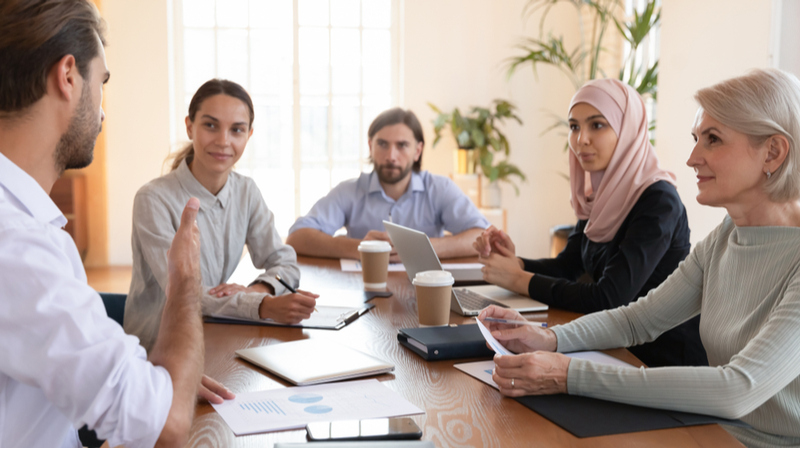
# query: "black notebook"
[[590, 417], [448, 342]]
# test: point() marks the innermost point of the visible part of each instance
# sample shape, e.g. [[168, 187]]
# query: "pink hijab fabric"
[[633, 167]]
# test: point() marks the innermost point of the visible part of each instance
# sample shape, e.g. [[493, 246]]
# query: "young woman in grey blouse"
[[744, 278], [232, 214]]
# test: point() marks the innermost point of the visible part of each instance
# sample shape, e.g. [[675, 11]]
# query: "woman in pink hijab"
[[632, 230]]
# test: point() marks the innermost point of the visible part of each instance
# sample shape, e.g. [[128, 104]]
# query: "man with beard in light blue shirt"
[[395, 190]]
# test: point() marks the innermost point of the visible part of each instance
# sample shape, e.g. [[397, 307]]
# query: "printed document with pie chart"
[[289, 408]]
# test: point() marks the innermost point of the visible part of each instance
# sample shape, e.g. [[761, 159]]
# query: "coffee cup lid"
[[374, 246], [433, 278]]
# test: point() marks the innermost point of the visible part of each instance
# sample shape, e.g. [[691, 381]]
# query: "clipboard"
[[327, 318]]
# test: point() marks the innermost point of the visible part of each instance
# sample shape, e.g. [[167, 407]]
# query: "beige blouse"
[[235, 217]]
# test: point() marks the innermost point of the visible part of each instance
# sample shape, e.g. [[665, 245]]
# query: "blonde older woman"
[[744, 278]]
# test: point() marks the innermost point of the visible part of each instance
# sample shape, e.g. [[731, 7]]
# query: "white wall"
[[137, 103], [703, 42], [790, 36], [453, 57]]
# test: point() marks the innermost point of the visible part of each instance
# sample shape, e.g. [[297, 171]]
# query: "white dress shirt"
[[63, 362]]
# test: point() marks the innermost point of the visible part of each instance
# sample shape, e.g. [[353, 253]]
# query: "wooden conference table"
[[460, 410]]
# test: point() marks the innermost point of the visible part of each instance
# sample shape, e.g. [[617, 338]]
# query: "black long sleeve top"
[[652, 241]]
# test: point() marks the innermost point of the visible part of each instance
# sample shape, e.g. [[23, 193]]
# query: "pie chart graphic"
[[318, 409], [305, 398]]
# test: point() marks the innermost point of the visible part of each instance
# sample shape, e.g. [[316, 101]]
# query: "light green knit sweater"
[[746, 283]]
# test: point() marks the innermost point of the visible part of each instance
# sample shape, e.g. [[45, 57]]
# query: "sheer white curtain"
[[318, 71]]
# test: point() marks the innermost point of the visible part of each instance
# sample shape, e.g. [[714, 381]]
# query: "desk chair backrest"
[[115, 305]]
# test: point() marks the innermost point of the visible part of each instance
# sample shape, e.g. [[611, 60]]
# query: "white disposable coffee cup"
[[433, 297], [375, 263]]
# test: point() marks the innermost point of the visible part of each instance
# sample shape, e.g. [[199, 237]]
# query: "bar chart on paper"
[[285, 409], [266, 408]]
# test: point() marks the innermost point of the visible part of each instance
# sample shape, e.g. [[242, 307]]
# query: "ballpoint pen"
[[291, 289], [516, 322]]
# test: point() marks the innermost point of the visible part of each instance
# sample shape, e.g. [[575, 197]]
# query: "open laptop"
[[417, 253]]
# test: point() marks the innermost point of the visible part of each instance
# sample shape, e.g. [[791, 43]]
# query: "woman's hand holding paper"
[[537, 373]]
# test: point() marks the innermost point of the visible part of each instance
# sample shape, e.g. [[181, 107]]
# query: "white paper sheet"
[[352, 265], [290, 408], [483, 370], [496, 346], [599, 357]]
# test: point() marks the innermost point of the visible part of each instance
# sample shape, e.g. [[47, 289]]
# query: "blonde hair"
[[761, 104]]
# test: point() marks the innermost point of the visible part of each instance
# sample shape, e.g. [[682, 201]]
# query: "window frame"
[[178, 90]]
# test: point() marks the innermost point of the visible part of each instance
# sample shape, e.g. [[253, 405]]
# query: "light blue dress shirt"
[[432, 204]]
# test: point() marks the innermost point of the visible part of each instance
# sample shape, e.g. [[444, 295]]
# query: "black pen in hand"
[[291, 289]]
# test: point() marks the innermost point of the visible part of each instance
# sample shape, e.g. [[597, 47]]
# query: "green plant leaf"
[[494, 143], [550, 52], [504, 143], [463, 140], [648, 84], [478, 137], [486, 158]]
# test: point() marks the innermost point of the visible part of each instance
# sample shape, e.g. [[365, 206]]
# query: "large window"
[[319, 71]]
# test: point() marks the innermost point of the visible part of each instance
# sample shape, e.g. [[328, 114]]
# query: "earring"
[[768, 174]]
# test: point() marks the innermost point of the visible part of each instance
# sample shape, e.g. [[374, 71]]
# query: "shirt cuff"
[[251, 302], [575, 374], [563, 344], [277, 287]]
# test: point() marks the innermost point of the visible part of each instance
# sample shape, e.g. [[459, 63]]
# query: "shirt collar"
[[195, 189], [416, 183], [29, 193]]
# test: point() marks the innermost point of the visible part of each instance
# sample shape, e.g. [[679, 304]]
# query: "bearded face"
[[75, 150], [392, 173]]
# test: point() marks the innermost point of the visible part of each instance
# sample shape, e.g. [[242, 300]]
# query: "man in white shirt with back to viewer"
[[63, 362]]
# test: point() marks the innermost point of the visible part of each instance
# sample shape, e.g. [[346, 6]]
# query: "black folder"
[[447, 342], [590, 417]]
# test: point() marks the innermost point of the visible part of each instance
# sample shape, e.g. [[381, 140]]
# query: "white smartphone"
[[369, 429]]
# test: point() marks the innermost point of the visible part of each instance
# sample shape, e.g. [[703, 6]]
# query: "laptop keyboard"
[[472, 301]]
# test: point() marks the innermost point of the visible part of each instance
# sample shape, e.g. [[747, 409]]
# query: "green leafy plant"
[[583, 62], [477, 130]]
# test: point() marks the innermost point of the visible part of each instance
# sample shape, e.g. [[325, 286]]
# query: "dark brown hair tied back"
[[209, 89]]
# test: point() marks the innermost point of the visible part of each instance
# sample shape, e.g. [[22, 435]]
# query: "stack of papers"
[[290, 408]]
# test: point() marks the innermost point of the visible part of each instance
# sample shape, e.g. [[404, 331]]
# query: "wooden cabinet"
[[69, 195]]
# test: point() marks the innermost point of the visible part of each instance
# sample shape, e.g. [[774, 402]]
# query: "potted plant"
[[479, 141]]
